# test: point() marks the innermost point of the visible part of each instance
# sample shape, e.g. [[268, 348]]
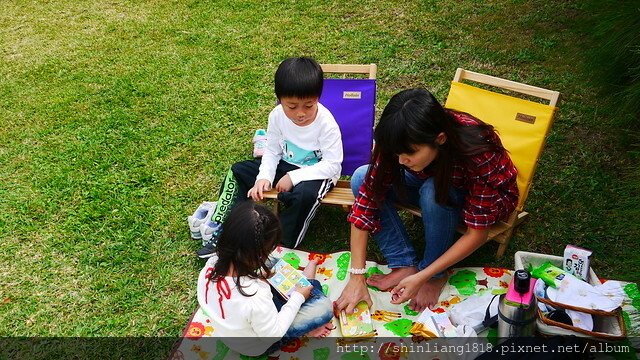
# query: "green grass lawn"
[[118, 118]]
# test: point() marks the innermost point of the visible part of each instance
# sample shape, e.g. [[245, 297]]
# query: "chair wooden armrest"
[[340, 195]]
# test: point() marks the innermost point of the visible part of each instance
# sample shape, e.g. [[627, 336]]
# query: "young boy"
[[303, 156]]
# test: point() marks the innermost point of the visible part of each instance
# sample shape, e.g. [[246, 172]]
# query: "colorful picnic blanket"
[[390, 321]]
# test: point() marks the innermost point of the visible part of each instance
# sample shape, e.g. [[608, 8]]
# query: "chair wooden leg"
[[501, 250], [504, 238]]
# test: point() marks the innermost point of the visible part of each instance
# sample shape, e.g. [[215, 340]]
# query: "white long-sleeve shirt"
[[246, 324], [315, 148]]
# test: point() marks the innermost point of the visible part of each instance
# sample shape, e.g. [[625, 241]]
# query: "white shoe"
[[202, 214], [209, 229]]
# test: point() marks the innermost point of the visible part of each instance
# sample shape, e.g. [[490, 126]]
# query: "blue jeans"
[[317, 310], [439, 221]]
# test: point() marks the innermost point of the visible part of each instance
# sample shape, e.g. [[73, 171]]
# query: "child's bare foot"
[[428, 294], [310, 271], [321, 331], [385, 282]]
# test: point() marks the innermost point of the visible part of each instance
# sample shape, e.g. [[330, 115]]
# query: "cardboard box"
[[577, 261]]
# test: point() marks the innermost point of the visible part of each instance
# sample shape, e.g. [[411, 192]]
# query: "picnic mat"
[[390, 321]]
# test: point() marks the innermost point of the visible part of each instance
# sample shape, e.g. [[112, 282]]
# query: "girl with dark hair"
[[251, 317], [449, 164]]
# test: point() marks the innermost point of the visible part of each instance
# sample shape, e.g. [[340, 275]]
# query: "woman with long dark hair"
[[449, 164]]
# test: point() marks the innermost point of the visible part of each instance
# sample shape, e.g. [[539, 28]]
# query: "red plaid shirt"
[[492, 192]]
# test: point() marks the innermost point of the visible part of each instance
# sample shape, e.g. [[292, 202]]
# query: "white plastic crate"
[[525, 260], [610, 326]]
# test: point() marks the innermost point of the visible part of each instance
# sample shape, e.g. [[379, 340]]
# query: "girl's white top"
[[246, 324]]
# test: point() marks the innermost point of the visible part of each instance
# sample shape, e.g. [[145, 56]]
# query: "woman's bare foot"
[[385, 282], [428, 294], [322, 331], [310, 271]]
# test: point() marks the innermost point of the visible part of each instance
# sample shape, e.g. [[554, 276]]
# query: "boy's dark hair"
[[251, 233], [299, 77]]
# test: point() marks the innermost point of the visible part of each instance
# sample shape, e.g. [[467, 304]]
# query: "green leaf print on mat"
[[409, 311], [325, 290], [355, 356], [321, 354], [464, 281], [343, 265], [221, 350], [399, 327], [261, 357]]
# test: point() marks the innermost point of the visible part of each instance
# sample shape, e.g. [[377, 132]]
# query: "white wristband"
[[358, 271]]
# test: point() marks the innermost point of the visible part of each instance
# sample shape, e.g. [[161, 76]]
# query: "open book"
[[436, 324], [286, 277], [357, 324]]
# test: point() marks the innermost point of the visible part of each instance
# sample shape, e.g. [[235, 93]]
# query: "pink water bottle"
[[517, 309]]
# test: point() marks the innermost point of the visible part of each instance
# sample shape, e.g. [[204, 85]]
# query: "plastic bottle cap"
[[522, 280]]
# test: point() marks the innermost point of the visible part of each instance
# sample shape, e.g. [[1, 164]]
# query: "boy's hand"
[[285, 184], [305, 291], [256, 192]]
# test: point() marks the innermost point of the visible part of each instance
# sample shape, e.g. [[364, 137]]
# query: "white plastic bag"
[[473, 310]]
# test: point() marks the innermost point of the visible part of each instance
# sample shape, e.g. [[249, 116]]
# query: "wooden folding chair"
[[352, 101], [522, 125]]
